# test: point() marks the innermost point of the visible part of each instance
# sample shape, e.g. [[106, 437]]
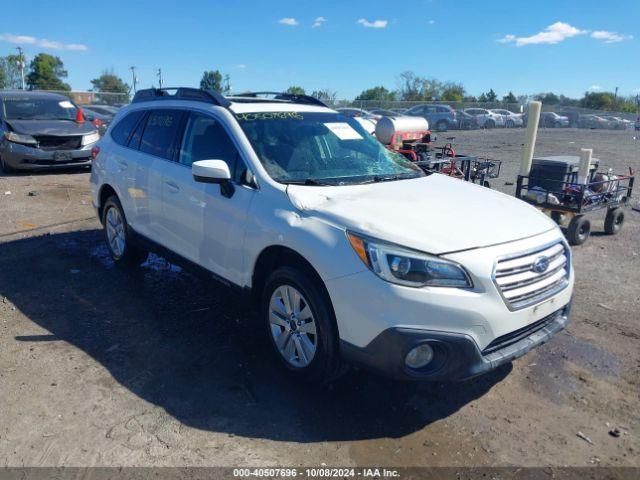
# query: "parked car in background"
[[108, 110], [637, 124], [553, 120], [337, 241], [511, 119], [384, 113], [40, 130], [572, 115], [440, 117], [464, 121], [486, 118], [594, 122], [99, 120], [615, 123], [359, 112]]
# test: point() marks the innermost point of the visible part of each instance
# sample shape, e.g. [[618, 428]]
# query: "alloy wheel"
[[114, 226]]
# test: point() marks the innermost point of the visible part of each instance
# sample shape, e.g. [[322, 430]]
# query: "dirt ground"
[[155, 367]]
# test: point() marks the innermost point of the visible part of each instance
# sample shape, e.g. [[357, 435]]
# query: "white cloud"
[[609, 37], [375, 24], [240, 66], [318, 22], [551, 35], [292, 22], [431, 22], [595, 87], [42, 42]]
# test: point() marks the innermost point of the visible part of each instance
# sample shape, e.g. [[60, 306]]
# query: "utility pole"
[[21, 61], [160, 77], [227, 87], [134, 78], [615, 95]]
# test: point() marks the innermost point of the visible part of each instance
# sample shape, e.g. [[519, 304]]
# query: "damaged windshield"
[[315, 148], [25, 108]]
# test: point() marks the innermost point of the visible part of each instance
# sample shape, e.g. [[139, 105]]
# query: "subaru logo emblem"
[[540, 265]]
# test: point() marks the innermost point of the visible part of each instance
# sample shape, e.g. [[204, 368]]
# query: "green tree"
[[46, 73], [109, 82], [491, 95], [483, 98], [10, 72], [599, 100], [510, 98], [295, 90], [410, 87], [452, 92], [212, 80], [376, 93], [326, 95], [548, 98]]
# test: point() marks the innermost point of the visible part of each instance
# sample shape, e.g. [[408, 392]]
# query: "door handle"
[[173, 188]]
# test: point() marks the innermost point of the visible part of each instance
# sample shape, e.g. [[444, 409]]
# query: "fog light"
[[419, 357]]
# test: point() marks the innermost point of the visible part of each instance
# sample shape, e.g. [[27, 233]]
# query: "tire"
[[579, 230], [442, 125], [310, 357], [6, 168], [489, 124], [486, 184], [118, 238], [614, 220], [510, 124]]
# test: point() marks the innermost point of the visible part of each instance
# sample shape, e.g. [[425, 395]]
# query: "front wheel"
[[300, 323], [6, 168], [489, 124], [118, 237], [579, 230], [442, 126]]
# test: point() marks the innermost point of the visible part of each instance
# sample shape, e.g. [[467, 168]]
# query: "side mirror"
[[214, 171], [210, 171]]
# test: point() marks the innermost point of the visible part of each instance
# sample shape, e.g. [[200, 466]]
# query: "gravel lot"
[[155, 367]]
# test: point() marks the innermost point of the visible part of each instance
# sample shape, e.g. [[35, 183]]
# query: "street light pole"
[[133, 77], [160, 77], [21, 61]]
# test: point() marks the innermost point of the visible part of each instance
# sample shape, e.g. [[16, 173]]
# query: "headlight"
[[408, 267], [91, 138], [19, 138]]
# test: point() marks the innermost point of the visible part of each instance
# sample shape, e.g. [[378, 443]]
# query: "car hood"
[[51, 127], [435, 214]]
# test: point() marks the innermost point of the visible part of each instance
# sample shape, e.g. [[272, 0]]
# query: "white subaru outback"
[[351, 252]]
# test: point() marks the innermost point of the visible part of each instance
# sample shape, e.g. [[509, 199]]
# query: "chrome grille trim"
[[520, 286]]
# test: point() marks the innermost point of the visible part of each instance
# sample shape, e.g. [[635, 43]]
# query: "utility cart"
[[552, 186], [410, 136]]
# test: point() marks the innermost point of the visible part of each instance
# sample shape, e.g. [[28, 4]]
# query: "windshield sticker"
[[270, 116], [343, 131], [66, 104]]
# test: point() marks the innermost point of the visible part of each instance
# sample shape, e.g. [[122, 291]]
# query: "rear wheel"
[[301, 327], [122, 249], [579, 230], [489, 124], [614, 220]]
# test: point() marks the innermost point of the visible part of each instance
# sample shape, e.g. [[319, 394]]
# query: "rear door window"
[[159, 136], [122, 131]]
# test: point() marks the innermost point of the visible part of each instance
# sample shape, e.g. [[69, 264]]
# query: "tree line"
[[47, 72]]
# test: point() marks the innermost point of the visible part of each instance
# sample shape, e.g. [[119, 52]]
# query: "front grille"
[[51, 142], [522, 286]]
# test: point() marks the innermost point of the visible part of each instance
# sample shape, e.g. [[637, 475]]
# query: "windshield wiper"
[[389, 178], [307, 181]]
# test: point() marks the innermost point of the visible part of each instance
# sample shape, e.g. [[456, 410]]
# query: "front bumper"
[[23, 157], [456, 356]]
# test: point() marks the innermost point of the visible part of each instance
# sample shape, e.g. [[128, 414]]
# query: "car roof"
[[30, 94]]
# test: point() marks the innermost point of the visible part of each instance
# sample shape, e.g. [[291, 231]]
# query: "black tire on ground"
[[486, 184], [489, 124], [6, 168], [131, 254], [442, 125], [325, 365], [579, 230], [614, 220], [510, 124]]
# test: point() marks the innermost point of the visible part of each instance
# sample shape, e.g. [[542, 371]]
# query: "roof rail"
[[287, 97], [183, 93]]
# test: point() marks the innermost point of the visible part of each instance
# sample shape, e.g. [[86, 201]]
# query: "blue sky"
[[545, 45]]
